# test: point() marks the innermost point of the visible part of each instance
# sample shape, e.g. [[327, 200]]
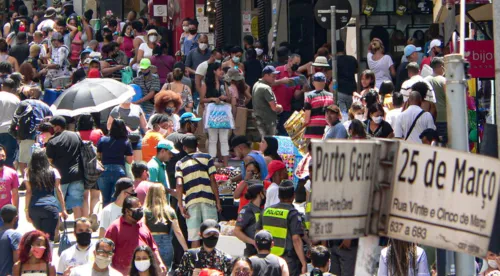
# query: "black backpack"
[[23, 125]]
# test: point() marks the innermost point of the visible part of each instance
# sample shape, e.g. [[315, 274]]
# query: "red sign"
[[481, 56]]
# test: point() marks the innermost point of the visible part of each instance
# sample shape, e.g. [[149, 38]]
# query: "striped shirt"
[[317, 102], [195, 170], [152, 84]]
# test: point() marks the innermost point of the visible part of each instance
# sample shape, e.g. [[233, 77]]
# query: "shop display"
[[227, 227], [295, 127]]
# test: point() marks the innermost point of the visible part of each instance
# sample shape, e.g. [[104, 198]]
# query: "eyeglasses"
[[104, 253]]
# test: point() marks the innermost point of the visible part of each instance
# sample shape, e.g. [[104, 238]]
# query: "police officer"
[[248, 217], [284, 223]]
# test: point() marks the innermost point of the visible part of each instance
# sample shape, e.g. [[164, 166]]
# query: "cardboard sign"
[[341, 188], [443, 198]]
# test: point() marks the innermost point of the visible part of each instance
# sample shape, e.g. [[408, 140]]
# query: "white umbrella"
[[91, 95]]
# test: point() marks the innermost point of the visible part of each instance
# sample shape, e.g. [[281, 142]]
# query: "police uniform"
[[283, 221], [247, 219]]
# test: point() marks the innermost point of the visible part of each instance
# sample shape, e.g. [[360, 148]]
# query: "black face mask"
[[263, 201], [295, 67], [16, 224], [211, 241], [137, 214], [133, 194], [2, 162], [83, 238], [192, 31]]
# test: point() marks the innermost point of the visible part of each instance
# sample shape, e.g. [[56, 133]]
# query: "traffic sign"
[[342, 180], [343, 13], [443, 198]]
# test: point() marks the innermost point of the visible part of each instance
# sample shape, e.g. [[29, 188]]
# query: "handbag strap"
[[413, 124]]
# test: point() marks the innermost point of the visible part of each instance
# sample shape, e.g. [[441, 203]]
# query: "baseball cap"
[[333, 108], [145, 63], [56, 36], [270, 70], [209, 226], [273, 167], [410, 49], [238, 140], [319, 77], [190, 141], [263, 237], [189, 117], [58, 121], [434, 43], [168, 145], [121, 185], [86, 51], [412, 65]]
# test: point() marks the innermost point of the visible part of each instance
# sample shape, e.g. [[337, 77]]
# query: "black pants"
[[45, 219], [294, 265]]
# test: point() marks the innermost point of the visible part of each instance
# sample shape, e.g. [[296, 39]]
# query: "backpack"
[[23, 125], [92, 167]]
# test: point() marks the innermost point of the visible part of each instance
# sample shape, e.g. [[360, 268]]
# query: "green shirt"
[[157, 172], [262, 94]]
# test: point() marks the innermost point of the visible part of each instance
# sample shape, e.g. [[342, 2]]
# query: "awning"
[[482, 12]]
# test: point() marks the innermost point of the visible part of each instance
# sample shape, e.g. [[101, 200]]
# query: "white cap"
[[434, 43]]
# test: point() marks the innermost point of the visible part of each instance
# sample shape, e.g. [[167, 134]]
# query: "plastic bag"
[[64, 243], [127, 75], [219, 116]]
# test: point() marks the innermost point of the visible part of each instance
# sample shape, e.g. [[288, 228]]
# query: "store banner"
[[481, 56]]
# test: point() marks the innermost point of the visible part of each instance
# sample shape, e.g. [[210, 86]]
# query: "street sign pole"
[[458, 131], [333, 29]]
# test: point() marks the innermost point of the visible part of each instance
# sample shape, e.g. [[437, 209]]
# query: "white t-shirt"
[[422, 268], [380, 68], [202, 69], [86, 270], [148, 52], [73, 256], [272, 195], [109, 214], [392, 116], [406, 88], [405, 120], [9, 103]]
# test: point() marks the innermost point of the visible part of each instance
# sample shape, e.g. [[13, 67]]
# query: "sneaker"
[[94, 222]]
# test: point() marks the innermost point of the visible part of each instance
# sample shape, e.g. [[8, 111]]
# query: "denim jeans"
[[344, 102], [10, 144], [164, 242], [107, 182]]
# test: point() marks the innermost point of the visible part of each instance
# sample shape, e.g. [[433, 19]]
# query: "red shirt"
[[127, 238], [243, 200], [427, 61], [91, 135], [283, 93]]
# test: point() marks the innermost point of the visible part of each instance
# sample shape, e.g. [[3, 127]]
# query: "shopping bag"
[[219, 116], [64, 242]]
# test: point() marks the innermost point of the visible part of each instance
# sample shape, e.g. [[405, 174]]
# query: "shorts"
[[137, 146], [73, 194], [25, 151], [266, 128], [199, 212]]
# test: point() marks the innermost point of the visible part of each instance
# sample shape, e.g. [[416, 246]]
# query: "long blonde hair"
[[156, 202]]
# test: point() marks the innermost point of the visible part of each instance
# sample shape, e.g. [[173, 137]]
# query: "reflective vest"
[[274, 220], [308, 215]]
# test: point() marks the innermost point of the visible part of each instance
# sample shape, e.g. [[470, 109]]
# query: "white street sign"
[[341, 187], [444, 198]]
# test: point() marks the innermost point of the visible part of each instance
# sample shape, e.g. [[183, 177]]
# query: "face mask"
[[163, 131], [38, 251], [377, 120], [185, 28], [211, 241], [192, 31], [83, 238], [132, 33], [203, 46], [169, 110], [256, 176], [2, 162], [137, 214], [259, 51], [242, 273], [142, 265], [236, 59], [359, 117], [114, 55], [152, 38], [218, 61], [86, 68], [295, 67], [492, 264], [263, 199], [16, 224], [146, 73], [102, 262], [134, 194]]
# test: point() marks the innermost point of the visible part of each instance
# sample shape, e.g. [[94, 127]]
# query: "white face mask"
[[377, 120], [163, 131], [102, 262], [203, 46], [153, 38], [259, 51], [359, 117], [492, 264], [142, 265], [185, 28]]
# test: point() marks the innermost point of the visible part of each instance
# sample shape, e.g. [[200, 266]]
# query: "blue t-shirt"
[[9, 242], [259, 158], [337, 131], [114, 151]]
